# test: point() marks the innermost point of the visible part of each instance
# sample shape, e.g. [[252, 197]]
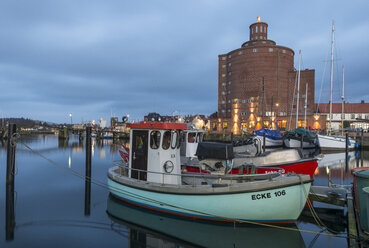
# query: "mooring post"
[[346, 154], [88, 172], [264, 143], [10, 165], [10, 155]]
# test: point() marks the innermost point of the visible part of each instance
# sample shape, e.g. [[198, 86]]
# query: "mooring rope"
[[133, 195]]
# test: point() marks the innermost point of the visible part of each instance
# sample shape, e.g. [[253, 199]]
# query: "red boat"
[[219, 158]]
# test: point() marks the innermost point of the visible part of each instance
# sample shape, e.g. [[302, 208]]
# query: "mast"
[[343, 95], [330, 102], [306, 96], [298, 90]]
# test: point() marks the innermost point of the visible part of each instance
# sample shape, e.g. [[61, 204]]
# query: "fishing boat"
[[153, 180], [293, 138], [157, 230], [330, 142]]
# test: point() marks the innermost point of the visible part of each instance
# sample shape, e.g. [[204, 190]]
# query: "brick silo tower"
[[256, 84]]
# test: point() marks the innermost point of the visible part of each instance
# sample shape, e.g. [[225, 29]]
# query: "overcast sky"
[[97, 58]]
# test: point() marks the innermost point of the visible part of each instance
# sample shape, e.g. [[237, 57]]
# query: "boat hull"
[[295, 143], [275, 205], [271, 142], [304, 167], [333, 143]]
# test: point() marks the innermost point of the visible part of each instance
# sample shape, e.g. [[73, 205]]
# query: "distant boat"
[[153, 180], [329, 142], [293, 138], [273, 138]]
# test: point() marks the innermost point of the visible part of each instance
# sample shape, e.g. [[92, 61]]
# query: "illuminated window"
[[225, 125], [301, 124], [283, 124]]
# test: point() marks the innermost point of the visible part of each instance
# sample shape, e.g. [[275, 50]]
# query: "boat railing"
[[196, 176]]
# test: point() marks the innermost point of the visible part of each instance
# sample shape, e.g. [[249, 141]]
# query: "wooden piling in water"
[[88, 172], [10, 166]]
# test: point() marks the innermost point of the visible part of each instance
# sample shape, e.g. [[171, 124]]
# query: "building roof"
[[355, 108]]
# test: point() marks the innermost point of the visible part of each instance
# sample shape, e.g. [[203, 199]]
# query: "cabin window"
[[174, 139], [155, 139], [191, 137], [166, 140], [179, 139], [200, 137]]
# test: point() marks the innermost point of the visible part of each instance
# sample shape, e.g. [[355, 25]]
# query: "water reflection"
[[148, 229]]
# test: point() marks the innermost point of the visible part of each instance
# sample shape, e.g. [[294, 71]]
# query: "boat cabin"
[[191, 139], [155, 151]]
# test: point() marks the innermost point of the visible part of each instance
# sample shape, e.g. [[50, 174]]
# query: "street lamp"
[[70, 115]]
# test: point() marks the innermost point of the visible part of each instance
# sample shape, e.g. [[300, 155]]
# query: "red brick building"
[[256, 86]]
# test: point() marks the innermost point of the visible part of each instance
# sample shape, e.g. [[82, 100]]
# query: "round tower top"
[[259, 30]]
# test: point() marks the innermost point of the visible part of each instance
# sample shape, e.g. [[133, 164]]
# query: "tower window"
[[256, 29], [240, 52], [270, 49], [254, 50]]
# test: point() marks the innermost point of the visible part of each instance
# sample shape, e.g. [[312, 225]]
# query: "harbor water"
[[54, 206]]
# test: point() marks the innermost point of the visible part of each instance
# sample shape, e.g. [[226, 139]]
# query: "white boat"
[[296, 143], [157, 230], [153, 180], [329, 142]]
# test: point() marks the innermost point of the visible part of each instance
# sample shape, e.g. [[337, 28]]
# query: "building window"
[[256, 29], [243, 101], [252, 30], [223, 102], [225, 125], [223, 93], [250, 101], [229, 64], [223, 66], [352, 116], [229, 101], [261, 37], [240, 52], [254, 50], [229, 82], [265, 29], [229, 110], [224, 58], [270, 49], [214, 126], [223, 110], [223, 84], [223, 75], [229, 73], [229, 56], [229, 92], [283, 51]]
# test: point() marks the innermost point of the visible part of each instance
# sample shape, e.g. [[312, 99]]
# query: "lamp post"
[[70, 115]]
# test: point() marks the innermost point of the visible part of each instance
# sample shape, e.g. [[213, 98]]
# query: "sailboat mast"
[[298, 90], [343, 95], [306, 96], [330, 102]]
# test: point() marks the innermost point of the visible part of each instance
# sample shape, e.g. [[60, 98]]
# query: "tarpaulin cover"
[[300, 132], [271, 134], [214, 150]]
